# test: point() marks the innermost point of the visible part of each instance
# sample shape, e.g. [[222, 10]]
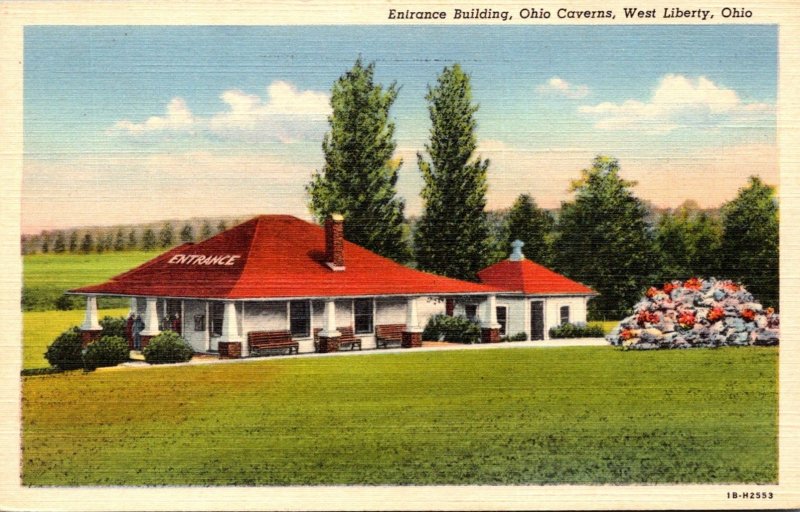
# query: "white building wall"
[[428, 307], [390, 311], [577, 311], [264, 316], [516, 317]]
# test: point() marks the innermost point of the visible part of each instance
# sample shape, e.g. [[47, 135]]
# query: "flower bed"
[[697, 313]]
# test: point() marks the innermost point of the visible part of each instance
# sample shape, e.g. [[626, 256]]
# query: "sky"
[[131, 124]]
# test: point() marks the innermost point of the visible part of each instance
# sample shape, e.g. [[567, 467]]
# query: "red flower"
[[770, 311], [686, 319], [749, 315], [647, 317], [693, 284], [668, 287], [715, 314], [626, 334], [730, 286], [651, 292]]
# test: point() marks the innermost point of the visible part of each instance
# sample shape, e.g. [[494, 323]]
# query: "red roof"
[[530, 278], [274, 256]]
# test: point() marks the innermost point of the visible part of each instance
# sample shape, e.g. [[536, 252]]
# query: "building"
[[535, 298], [277, 273]]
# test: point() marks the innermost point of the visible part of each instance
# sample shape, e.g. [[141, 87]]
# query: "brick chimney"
[[334, 242]]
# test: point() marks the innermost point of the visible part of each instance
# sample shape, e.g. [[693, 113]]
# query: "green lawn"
[[40, 328], [515, 416], [47, 276]]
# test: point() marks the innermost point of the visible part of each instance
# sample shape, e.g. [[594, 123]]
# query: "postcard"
[[398, 256]]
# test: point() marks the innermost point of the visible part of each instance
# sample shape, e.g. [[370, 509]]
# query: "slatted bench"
[[271, 342], [389, 335], [346, 340]]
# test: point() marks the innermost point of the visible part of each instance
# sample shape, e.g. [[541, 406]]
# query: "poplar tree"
[[206, 231], [533, 226], [73, 241], [451, 238], [187, 233], [148, 240], [60, 243], [166, 235], [604, 241], [750, 246], [119, 241], [359, 176]]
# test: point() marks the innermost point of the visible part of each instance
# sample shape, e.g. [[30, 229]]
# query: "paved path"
[[426, 347]]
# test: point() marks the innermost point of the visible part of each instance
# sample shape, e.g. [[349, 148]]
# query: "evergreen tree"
[[119, 241], [60, 243], [452, 235], [148, 240], [100, 245], [688, 243], [222, 226], [533, 226], [73, 241], [206, 231], [359, 176], [187, 233], [133, 240], [45, 242], [604, 242], [166, 235], [749, 247], [87, 243]]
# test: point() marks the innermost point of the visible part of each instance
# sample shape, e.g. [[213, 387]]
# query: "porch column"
[[230, 343], [329, 336], [490, 328], [412, 335], [150, 321], [90, 328]]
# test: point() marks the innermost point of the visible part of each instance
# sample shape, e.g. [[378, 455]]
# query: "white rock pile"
[[697, 313]]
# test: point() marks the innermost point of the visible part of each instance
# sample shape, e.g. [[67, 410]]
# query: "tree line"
[[122, 238], [605, 237]]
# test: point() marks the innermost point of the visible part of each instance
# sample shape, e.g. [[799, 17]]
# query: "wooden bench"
[[346, 340], [269, 342], [389, 334]]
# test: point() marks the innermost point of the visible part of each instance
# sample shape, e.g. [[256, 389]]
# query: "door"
[[537, 320]]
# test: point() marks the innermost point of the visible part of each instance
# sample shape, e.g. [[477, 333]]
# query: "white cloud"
[[559, 87], [285, 114], [177, 118], [679, 102]]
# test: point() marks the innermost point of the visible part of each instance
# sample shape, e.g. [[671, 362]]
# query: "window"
[[363, 315], [502, 316], [300, 318], [564, 314], [471, 310], [217, 312]]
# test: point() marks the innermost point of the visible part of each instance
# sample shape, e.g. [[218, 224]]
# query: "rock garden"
[[697, 313]]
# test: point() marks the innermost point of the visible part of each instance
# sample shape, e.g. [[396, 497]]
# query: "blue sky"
[[172, 122]]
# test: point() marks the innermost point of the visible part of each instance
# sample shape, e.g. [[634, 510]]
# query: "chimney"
[[516, 252], [334, 242]]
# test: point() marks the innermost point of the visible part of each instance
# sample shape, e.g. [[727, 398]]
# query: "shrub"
[[65, 351], [520, 336], [107, 351], [167, 347], [68, 302], [569, 330], [29, 372], [113, 326], [452, 328]]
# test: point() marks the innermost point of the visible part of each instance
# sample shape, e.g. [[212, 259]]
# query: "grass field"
[[40, 328], [47, 276], [540, 416]]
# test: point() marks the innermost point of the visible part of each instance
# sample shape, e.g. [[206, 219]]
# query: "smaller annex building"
[[535, 298], [279, 281]]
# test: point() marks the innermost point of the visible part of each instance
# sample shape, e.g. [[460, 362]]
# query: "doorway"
[[537, 320]]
